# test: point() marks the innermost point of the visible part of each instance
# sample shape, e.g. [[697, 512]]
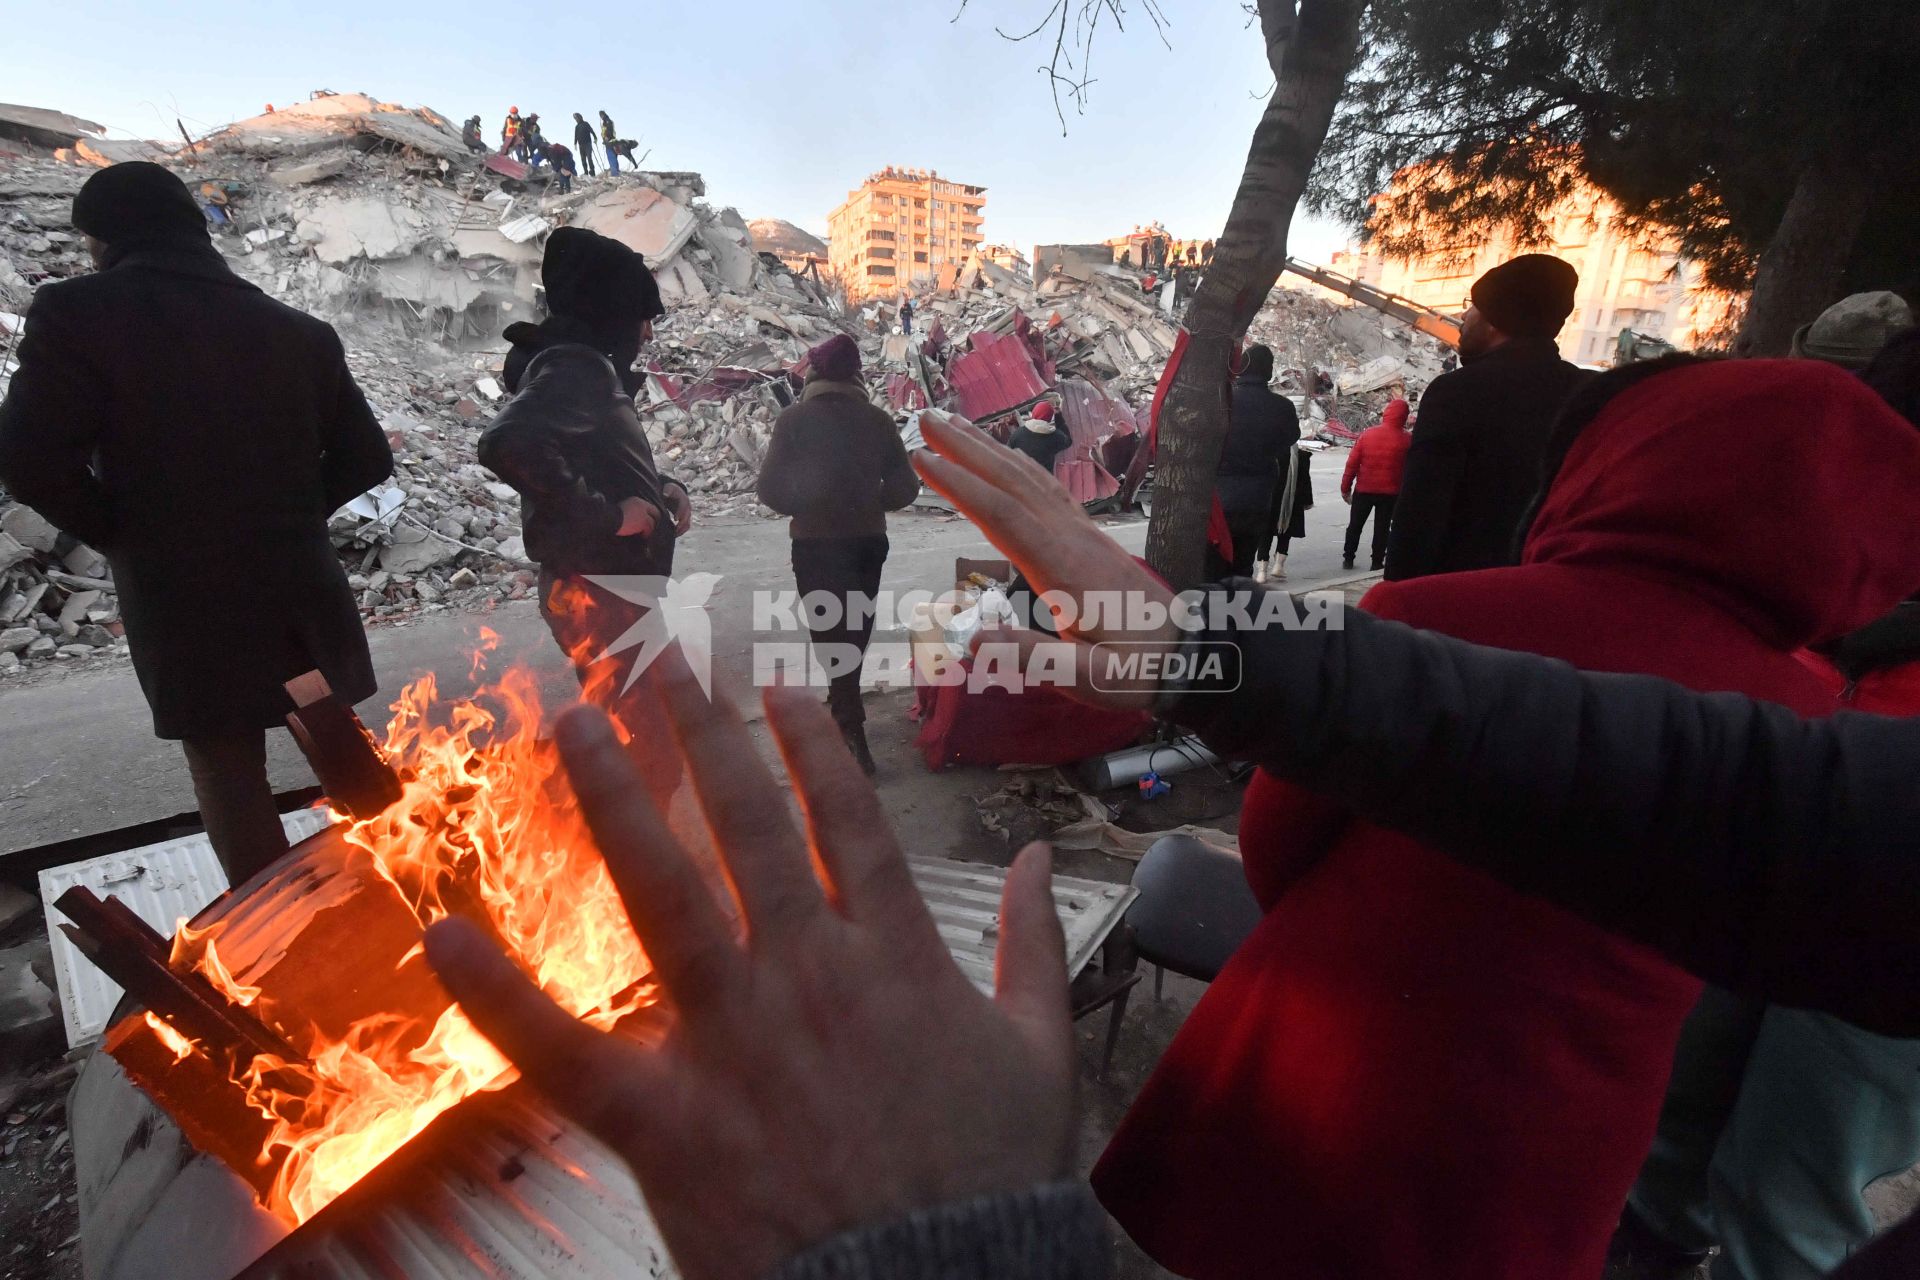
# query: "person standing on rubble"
[[199, 434], [837, 466], [1474, 465], [592, 502], [470, 134], [510, 131], [531, 147], [1039, 436], [610, 139], [906, 316], [1206, 253], [583, 140]]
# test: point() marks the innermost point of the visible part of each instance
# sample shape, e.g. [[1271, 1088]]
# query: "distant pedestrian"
[[1206, 253], [1474, 465], [583, 140], [610, 139], [1371, 481], [836, 465], [906, 315], [1126, 257], [563, 168], [199, 434]]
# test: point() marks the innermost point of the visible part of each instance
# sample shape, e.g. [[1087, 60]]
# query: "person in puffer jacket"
[[593, 504], [1371, 481]]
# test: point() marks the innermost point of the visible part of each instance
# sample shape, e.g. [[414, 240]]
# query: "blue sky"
[[782, 107]]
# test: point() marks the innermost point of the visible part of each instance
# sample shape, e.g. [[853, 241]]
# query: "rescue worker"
[[610, 139], [583, 140], [510, 130]]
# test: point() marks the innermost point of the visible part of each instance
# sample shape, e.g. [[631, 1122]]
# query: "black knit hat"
[[1530, 296], [1257, 364], [138, 203], [599, 280]]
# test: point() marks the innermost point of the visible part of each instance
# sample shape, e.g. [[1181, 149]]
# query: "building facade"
[[1625, 283], [902, 228]]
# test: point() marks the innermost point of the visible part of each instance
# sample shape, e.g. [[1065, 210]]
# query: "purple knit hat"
[[837, 359]]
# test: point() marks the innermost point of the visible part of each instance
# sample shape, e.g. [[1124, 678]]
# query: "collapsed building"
[[420, 251]]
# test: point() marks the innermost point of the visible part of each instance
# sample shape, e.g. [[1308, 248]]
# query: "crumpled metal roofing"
[[1092, 417], [997, 375]]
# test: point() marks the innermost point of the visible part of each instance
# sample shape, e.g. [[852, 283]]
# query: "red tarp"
[[995, 726], [904, 393]]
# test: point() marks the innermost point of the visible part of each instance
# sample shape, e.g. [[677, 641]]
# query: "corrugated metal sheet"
[[521, 1195], [994, 377], [1092, 417], [965, 900], [163, 883], [503, 1188]]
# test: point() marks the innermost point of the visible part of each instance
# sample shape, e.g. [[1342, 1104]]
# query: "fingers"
[[1008, 524], [1030, 966], [745, 808], [852, 840], [581, 1070], [682, 928]]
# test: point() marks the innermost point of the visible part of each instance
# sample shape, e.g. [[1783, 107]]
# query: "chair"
[[1194, 908]]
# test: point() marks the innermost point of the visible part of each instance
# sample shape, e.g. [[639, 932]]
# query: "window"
[[919, 257], [880, 271], [880, 253]]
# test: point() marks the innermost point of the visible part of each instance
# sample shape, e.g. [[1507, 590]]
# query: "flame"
[[485, 828], [177, 1044]]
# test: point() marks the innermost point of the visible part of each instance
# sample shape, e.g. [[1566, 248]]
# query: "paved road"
[[77, 757]]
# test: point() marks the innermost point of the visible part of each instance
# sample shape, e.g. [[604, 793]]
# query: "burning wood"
[[351, 1046]]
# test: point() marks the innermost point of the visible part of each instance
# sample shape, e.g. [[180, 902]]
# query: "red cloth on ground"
[[1379, 457], [1410, 1070], [995, 726]]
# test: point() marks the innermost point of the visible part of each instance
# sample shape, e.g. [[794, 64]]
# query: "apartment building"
[[1624, 283], [901, 228]]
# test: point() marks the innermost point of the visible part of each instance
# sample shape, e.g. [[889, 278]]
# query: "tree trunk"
[[1802, 266], [1311, 51]]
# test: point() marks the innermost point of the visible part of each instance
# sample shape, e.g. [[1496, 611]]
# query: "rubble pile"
[[421, 251]]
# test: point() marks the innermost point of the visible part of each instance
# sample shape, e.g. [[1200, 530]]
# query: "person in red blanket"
[[1372, 481], [1410, 1070]]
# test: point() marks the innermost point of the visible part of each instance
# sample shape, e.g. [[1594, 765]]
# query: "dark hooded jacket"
[[1262, 431], [570, 442], [1403, 1030], [1473, 465], [200, 434]]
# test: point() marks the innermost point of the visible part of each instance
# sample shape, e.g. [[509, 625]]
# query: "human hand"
[[1031, 517], [1346, 497], [679, 506], [832, 1070], [637, 517]]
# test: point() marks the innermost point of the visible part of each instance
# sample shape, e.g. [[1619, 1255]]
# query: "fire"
[[485, 829]]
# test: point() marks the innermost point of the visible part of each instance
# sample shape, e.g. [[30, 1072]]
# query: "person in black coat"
[[583, 142], [592, 502], [1474, 463], [1039, 436], [1262, 430], [199, 434]]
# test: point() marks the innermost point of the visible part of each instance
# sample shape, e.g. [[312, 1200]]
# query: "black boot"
[[856, 736], [1346, 562]]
